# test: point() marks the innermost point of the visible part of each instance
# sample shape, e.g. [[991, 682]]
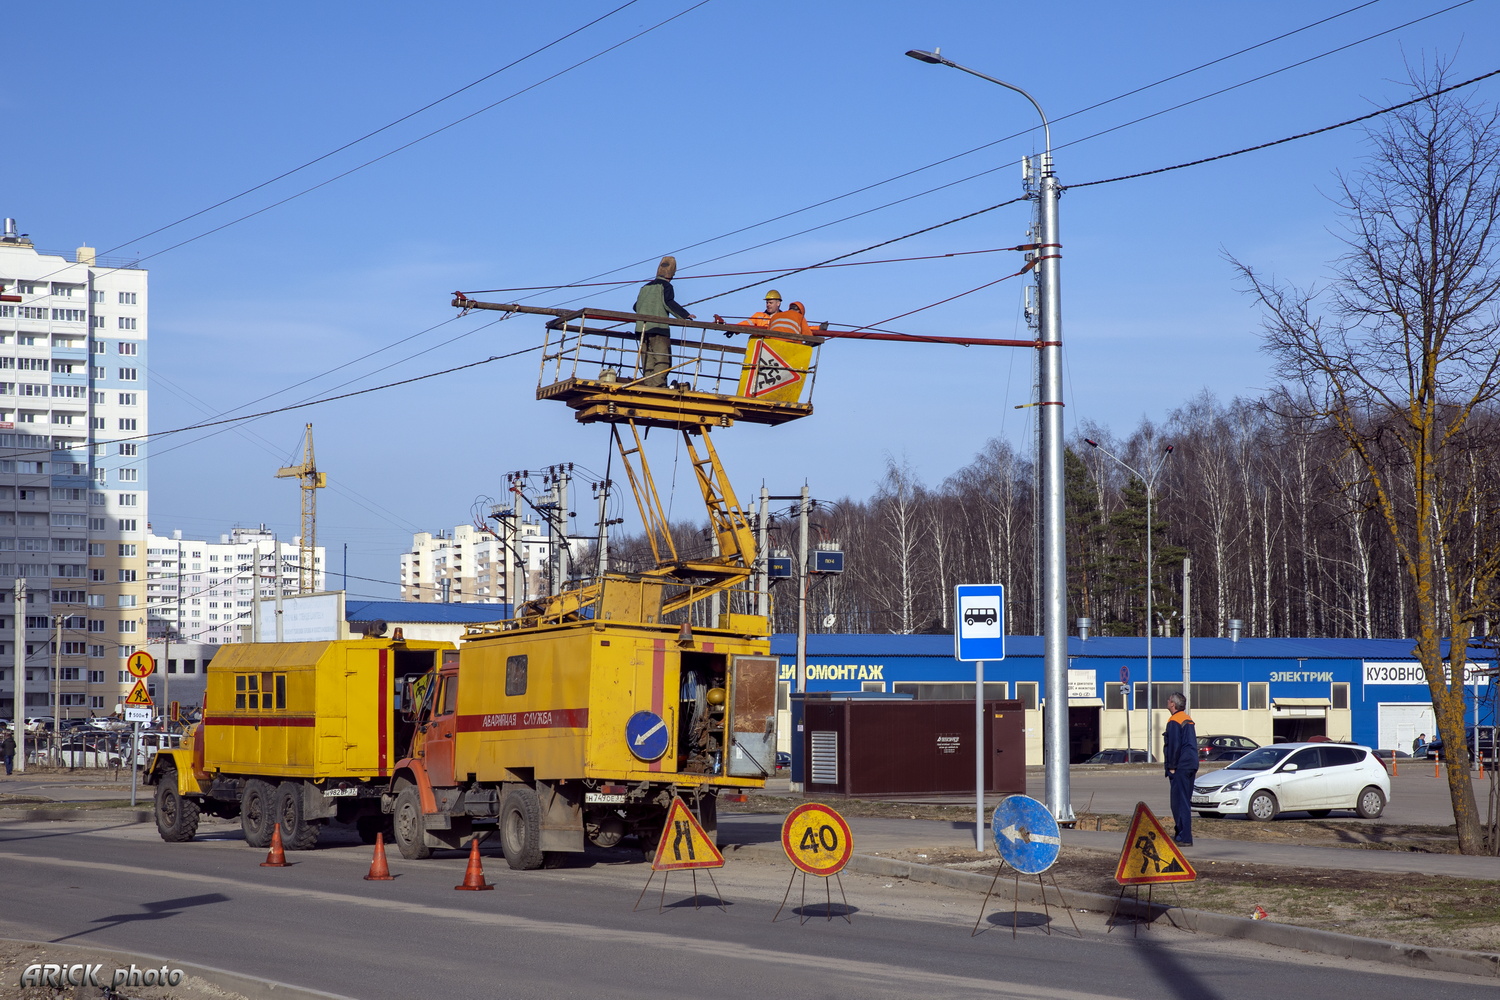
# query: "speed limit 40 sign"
[[816, 839]]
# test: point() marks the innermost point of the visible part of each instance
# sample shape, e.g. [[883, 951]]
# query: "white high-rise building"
[[73, 485], [203, 591], [467, 565]]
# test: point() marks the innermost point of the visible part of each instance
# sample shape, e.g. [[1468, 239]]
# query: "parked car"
[[152, 742], [1315, 778], [1482, 737], [86, 754], [1212, 748], [783, 761], [1388, 755], [1121, 757]]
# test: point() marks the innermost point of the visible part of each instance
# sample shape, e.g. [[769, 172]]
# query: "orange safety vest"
[[759, 319], [790, 321]]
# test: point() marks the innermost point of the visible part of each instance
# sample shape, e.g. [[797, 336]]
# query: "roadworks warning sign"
[[1149, 855], [774, 369], [139, 695], [684, 844]]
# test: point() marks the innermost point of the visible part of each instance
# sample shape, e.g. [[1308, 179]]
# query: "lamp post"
[[1150, 480], [1050, 402]]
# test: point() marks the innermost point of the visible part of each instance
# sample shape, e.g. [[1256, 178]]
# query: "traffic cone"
[[277, 856], [474, 874], [379, 870]]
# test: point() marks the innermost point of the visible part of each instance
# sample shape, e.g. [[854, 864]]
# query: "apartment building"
[[467, 565], [73, 484], [202, 592]]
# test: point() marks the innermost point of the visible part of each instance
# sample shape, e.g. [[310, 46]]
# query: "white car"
[[1315, 778], [152, 742]]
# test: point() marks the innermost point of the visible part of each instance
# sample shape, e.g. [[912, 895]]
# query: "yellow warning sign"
[[141, 664], [774, 369], [684, 844], [816, 839], [139, 695], [1149, 855]]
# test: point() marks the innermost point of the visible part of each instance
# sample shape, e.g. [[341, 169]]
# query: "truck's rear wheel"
[[257, 809], [176, 817], [406, 819], [297, 832], [521, 829]]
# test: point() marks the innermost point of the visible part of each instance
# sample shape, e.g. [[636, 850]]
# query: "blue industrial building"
[[1370, 691]]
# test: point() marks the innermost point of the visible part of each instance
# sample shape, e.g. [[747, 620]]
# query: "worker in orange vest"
[[773, 306], [793, 320]]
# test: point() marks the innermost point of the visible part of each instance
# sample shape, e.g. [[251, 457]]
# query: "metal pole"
[[603, 566], [19, 661], [135, 749], [564, 553], [1054, 543], [1187, 629], [276, 571], [57, 690], [802, 591], [520, 566], [1150, 690], [979, 756]]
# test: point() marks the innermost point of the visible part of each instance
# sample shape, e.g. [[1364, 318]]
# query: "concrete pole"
[[276, 577], [19, 661], [56, 687], [802, 507], [1150, 625], [603, 566], [1187, 629], [1054, 543], [564, 553], [519, 563]]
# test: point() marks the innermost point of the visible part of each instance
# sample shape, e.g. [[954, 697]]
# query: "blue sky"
[[736, 112]]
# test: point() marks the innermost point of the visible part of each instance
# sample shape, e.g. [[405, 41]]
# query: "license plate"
[[333, 793], [1203, 802], [603, 798]]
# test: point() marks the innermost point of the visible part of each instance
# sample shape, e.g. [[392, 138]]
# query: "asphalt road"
[[572, 931]]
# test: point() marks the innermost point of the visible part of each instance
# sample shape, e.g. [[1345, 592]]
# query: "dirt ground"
[[1428, 910], [15, 956]]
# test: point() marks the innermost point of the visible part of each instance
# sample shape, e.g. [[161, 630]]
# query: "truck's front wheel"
[[521, 829], [406, 819], [176, 817], [257, 809]]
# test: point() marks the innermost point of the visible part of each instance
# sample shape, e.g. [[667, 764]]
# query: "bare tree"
[[1401, 353]]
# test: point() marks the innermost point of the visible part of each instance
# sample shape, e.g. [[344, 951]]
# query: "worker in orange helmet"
[[793, 321]]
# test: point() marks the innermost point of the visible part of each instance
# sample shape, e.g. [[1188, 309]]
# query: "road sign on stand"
[[1026, 834], [141, 664], [1149, 855], [816, 839], [138, 695], [137, 713], [979, 631], [684, 843]]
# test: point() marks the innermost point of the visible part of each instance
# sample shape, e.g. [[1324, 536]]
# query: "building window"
[[1258, 696], [127, 550], [126, 524], [127, 499], [127, 423], [127, 374], [96, 423], [96, 676], [1210, 696], [126, 398], [1340, 695], [127, 625], [72, 649], [128, 448], [97, 372], [97, 652], [98, 323], [127, 576], [96, 625], [69, 315], [126, 323], [96, 548], [128, 475], [96, 576], [96, 701], [126, 298]]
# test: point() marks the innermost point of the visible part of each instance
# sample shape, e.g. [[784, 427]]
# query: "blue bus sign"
[[979, 626]]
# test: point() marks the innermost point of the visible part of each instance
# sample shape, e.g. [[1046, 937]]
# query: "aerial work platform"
[[592, 361]]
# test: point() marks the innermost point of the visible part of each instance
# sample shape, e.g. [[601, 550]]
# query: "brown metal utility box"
[[910, 747]]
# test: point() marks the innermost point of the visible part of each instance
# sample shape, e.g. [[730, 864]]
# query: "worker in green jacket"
[[657, 299]]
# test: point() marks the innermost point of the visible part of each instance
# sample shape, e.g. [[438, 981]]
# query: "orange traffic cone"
[[277, 857], [379, 870], [474, 874]]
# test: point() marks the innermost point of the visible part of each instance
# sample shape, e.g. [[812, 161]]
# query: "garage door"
[[1400, 724]]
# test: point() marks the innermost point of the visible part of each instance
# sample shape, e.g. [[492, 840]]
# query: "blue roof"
[[873, 644], [425, 612]]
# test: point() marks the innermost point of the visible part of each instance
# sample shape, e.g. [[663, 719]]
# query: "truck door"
[[437, 740]]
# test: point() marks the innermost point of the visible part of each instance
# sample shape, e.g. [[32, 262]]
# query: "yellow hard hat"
[[774, 294], [716, 696]]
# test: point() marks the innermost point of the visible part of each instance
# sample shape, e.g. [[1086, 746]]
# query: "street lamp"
[[1049, 402], [1150, 480]]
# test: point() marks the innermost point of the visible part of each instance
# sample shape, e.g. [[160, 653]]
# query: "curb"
[[1308, 939], [44, 814], [248, 986]]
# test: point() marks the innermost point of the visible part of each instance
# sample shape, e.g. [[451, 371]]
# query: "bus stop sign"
[[979, 626]]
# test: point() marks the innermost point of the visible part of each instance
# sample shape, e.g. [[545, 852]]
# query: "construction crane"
[[312, 480]]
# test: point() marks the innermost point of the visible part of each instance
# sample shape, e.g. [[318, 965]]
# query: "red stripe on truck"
[[552, 718], [382, 712], [658, 685]]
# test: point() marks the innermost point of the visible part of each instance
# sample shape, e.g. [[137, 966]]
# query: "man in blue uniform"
[[1180, 756]]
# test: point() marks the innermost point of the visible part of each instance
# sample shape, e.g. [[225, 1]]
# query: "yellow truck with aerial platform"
[[578, 720]]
